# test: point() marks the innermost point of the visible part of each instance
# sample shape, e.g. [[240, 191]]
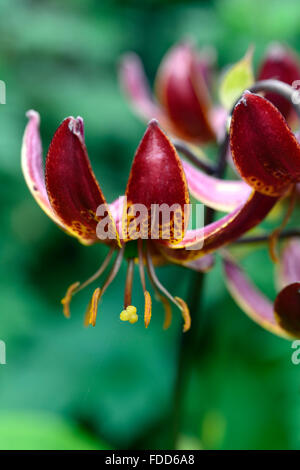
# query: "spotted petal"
[[222, 195], [72, 188], [157, 178], [264, 149], [183, 94], [209, 238]]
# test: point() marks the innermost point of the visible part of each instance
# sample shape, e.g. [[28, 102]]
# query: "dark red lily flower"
[[183, 104], [71, 196], [280, 63], [283, 316]]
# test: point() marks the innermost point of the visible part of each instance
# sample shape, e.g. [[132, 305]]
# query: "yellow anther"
[[67, 299], [91, 313], [168, 313], [148, 308], [131, 310], [185, 313], [129, 314], [133, 319], [124, 315]]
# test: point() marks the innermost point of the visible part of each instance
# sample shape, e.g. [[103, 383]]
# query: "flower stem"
[[190, 340], [199, 162], [265, 238]]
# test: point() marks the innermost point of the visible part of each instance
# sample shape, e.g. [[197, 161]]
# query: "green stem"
[[190, 340]]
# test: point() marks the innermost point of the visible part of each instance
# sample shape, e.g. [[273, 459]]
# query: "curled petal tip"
[[153, 123], [76, 125], [32, 114]]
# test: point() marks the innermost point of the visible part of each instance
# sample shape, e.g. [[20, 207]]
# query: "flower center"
[[139, 252]]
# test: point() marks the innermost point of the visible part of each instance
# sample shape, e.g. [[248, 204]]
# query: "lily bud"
[[264, 149], [281, 64], [182, 92]]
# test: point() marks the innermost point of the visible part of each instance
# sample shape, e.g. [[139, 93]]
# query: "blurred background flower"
[[65, 386]]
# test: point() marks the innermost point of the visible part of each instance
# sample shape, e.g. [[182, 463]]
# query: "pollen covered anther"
[[68, 297], [148, 308], [129, 314], [185, 313], [91, 313]]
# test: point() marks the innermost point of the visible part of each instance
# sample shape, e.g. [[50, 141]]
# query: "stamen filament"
[[114, 270], [273, 239], [148, 302], [176, 300], [68, 297], [141, 264], [91, 314], [129, 281], [98, 272], [76, 286]]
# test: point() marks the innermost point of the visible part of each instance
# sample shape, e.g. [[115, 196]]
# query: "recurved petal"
[[201, 264], [134, 82], [209, 238], [281, 64], [157, 178], [182, 92], [264, 149], [32, 165], [289, 263], [251, 300], [72, 188], [222, 195], [287, 309]]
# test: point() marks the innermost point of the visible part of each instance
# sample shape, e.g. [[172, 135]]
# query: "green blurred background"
[[67, 387]]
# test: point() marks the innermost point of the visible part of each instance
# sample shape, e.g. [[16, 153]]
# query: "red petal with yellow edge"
[[264, 149], [289, 263], [205, 240], [157, 178], [221, 195], [182, 91], [72, 188], [250, 299], [281, 64], [32, 165], [287, 309]]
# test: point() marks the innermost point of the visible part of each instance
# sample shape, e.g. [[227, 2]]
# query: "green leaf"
[[237, 79], [30, 430]]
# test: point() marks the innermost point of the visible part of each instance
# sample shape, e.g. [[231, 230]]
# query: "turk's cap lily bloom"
[[183, 104], [281, 317], [71, 196]]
